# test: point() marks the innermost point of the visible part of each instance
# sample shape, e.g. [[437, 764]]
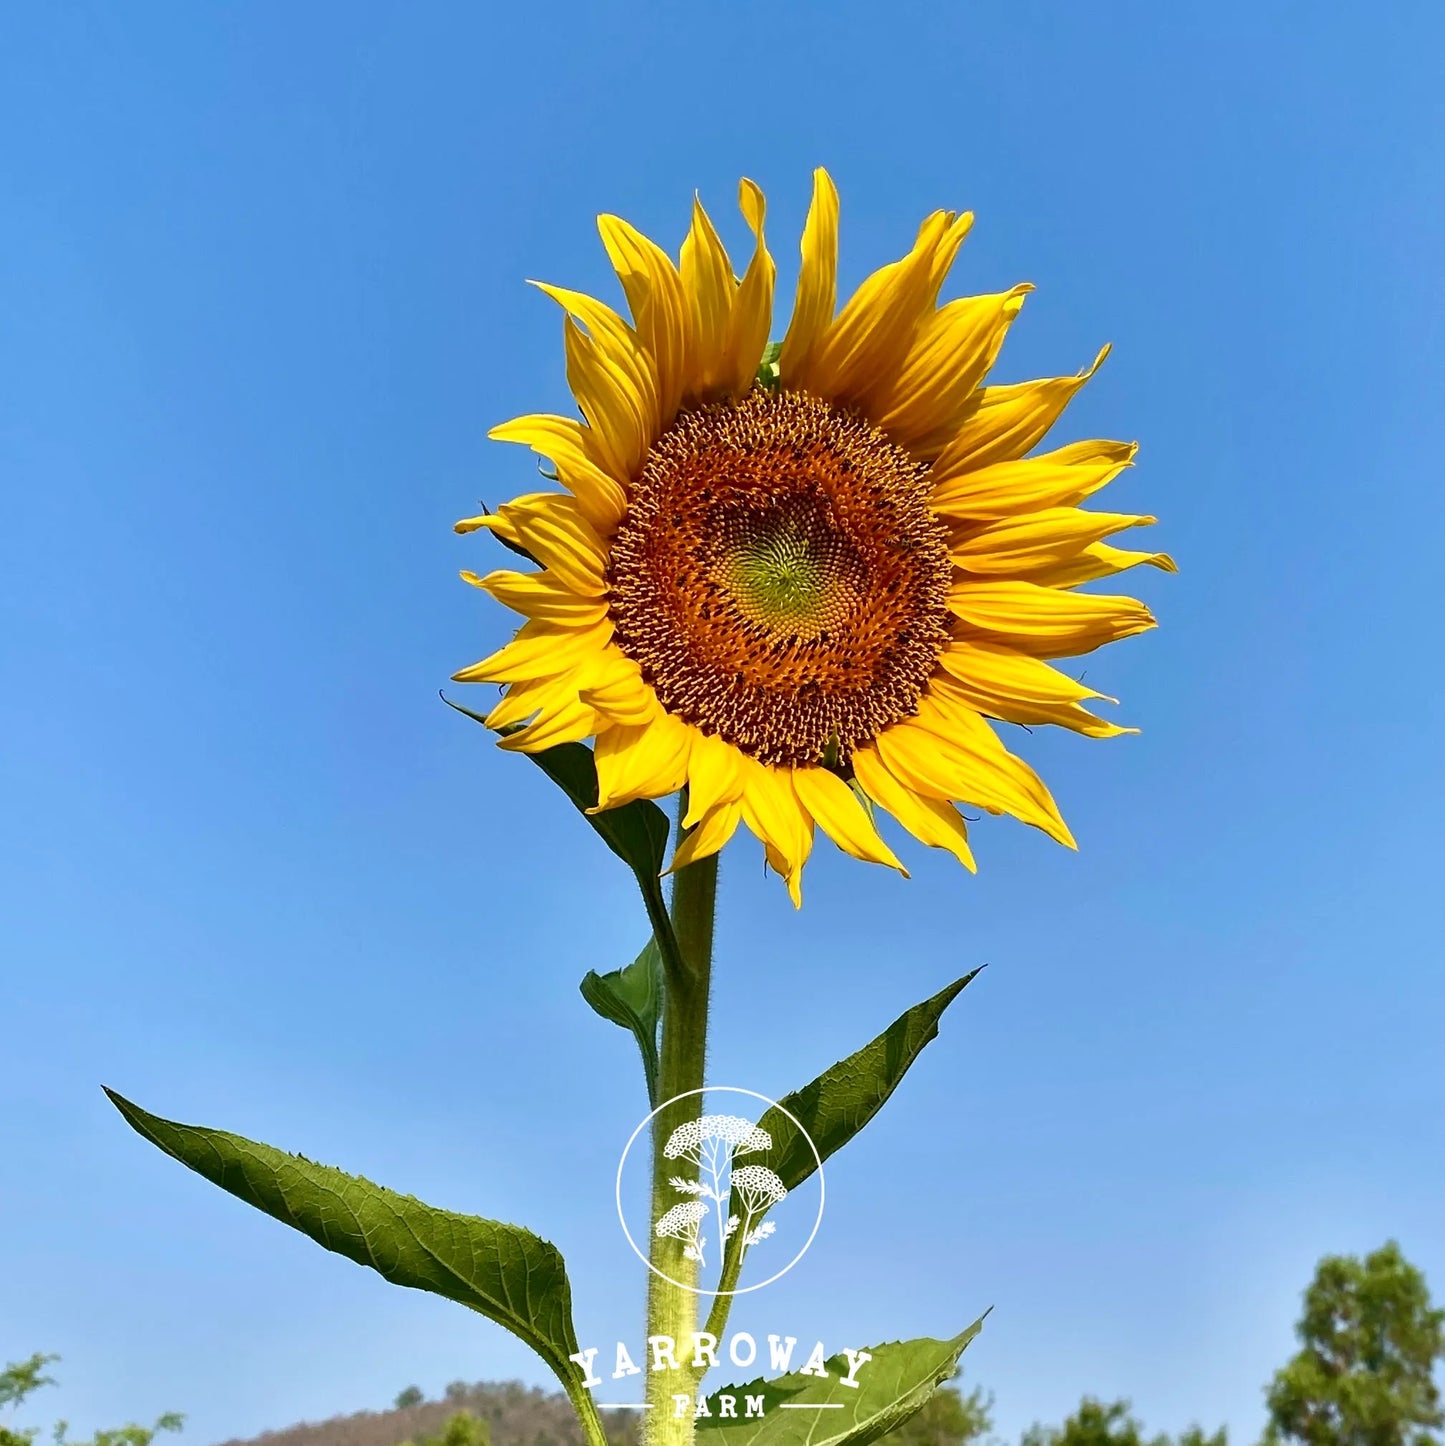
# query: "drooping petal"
[[1045, 621], [930, 820], [836, 810], [659, 304], [715, 775], [1004, 423], [708, 835], [1060, 478], [772, 810], [922, 407], [1033, 541], [1017, 688], [647, 762], [817, 283], [944, 755]]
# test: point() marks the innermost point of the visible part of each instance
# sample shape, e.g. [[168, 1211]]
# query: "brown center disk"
[[780, 577]]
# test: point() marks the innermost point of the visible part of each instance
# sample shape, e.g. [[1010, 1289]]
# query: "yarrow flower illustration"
[[684, 1222], [740, 1135], [800, 579]]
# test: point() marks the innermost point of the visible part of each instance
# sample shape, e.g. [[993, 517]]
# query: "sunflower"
[[802, 580]]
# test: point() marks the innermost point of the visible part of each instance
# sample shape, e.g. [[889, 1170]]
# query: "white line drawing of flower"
[[684, 1222], [757, 1188], [711, 1143]]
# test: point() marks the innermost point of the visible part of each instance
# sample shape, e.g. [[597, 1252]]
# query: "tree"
[[411, 1396], [1370, 1343], [462, 1428], [20, 1378], [948, 1418], [1098, 1424]]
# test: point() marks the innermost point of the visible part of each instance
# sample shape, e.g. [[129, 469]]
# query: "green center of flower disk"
[[780, 578], [786, 569]]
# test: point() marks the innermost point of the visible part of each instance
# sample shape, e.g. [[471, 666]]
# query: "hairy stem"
[[671, 1307]]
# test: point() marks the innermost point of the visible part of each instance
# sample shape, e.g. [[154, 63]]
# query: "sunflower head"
[[804, 580]]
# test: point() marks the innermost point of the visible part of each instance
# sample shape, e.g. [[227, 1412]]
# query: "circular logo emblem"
[[725, 1189]]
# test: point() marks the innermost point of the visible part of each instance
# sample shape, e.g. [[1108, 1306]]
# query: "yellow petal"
[[553, 530], [752, 304], [539, 595], [646, 762], [1100, 560], [539, 650], [620, 414], [1033, 541], [569, 723], [660, 308], [708, 835], [707, 279], [932, 821], [838, 813], [617, 343], [771, 809], [923, 406], [714, 775], [817, 282], [623, 700], [1045, 621], [953, 754], [1004, 423], [863, 349], [1055, 479], [525, 700], [1016, 688], [572, 450]]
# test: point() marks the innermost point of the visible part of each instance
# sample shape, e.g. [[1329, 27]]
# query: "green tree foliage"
[[1096, 1423], [411, 1396], [948, 1418], [1370, 1342], [20, 1378], [462, 1428]]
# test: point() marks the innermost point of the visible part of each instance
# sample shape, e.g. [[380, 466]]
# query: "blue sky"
[[263, 296]]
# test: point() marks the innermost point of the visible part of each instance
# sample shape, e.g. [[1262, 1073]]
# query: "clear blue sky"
[[262, 297]]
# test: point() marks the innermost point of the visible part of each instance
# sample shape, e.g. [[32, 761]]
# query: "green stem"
[[671, 1308]]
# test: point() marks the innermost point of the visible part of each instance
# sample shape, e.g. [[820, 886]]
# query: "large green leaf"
[[504, 1272], [895, 1383], [844, 1098], [632, 997], [832, 1110]]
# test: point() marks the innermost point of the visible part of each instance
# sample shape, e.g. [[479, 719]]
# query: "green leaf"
[[636, 832], [844, 1098], [768, 374], [501, 1271], [632, 997], [890, 1388]]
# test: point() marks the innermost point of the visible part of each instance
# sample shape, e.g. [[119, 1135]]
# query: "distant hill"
[[518, 1415]]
